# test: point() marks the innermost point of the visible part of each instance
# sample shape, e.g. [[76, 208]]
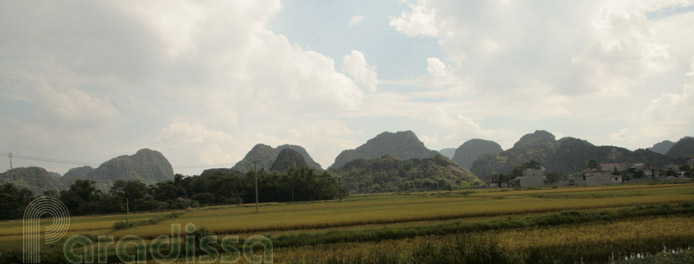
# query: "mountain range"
[[400, 157], [265, 156], [569, 155], [147, 166]]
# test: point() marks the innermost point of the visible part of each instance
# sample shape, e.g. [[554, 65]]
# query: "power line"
[[53, 160], [10, 155]]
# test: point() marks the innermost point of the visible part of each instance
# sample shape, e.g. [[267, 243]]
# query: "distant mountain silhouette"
[[403, 145], [448, 152], [390, 174], [36, 179], [469, 151], [147, 166], [288, 159], [567, 155], [663, 147], [266, 155]]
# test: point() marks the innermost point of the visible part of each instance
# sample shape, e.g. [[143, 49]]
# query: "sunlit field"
[[591, 224]]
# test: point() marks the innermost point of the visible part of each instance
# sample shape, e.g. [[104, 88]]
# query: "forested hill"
[[288, 159], [147, 166], [389, 174], [266, 155], [683, 148], [567, 155], [402, 145], [469, 151], [36, 179]]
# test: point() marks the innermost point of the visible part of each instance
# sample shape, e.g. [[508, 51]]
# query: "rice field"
[[417, 227]]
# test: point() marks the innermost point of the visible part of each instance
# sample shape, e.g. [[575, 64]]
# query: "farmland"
[[592, 224]]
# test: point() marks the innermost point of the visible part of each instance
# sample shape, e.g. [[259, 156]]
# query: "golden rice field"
[[398, 212], [512, 240]]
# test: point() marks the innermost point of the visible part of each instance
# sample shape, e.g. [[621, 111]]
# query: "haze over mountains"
[[662, 147], [447, 152], [569, 155], [388, 159], [147, 166]]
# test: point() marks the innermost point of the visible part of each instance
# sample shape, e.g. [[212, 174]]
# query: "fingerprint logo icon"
[[49, 208]]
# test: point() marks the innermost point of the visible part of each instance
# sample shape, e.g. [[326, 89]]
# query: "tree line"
[[212, 187]]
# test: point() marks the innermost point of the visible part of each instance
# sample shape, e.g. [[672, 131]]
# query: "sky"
[[204, 81]]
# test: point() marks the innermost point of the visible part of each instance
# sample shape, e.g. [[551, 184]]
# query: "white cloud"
[[355, 20], [669, 116], [151, 64], [205, 81], [420, 19], [551, 62], [355, 65]]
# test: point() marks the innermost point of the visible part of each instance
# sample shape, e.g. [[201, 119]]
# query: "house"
[[638, 167], [591, 178], [532, 178], [492, 181], [610, 167]]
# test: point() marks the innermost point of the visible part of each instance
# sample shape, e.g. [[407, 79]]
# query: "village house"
[[602, 176], [532, 178], [610, 167], [492, 181]]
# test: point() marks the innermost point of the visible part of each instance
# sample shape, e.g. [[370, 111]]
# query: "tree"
[[13, 201], [554, 177], [531, 164], [592, 164]]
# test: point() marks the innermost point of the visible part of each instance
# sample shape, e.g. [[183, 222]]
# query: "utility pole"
[[339, 188], [127, 209], [9, 155], [255, 173]]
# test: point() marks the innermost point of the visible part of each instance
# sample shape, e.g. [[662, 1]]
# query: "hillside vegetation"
[[389, 174], [402, 145], [147, 166], [36, 179], [567, 155], [265, 157]]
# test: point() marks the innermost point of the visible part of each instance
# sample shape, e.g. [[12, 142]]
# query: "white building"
[[532, 178]]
